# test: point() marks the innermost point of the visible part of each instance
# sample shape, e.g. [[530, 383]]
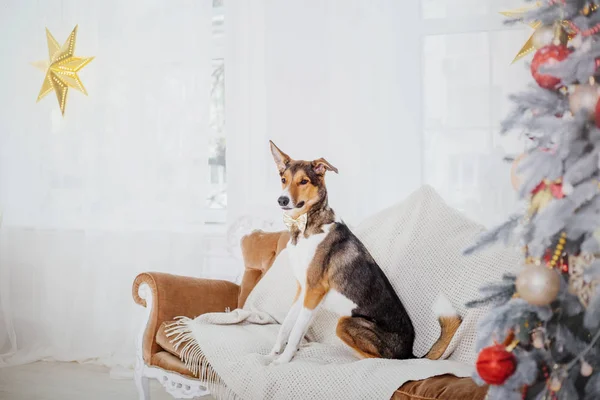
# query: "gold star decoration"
[[528, 46], [61, 69]]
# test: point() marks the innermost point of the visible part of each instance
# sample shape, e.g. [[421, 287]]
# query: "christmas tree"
[[540, 339]]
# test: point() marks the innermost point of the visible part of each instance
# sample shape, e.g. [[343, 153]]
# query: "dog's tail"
[[449, 322]]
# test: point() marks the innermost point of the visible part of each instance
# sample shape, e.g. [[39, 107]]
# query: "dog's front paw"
[[271, 357], [283, 359], [275, 351]]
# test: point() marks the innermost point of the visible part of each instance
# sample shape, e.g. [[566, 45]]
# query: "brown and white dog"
[[334, 270]]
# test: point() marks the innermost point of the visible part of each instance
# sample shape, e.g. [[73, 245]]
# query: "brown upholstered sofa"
[[167, 296]]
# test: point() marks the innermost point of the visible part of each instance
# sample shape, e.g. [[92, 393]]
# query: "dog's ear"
[[281, 159], [321, 165]]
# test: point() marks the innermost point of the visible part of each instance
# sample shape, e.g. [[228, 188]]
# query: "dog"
[[335, 270]]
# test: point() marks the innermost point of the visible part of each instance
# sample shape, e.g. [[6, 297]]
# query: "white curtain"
[[337, 79], [393, 93], [116, 187]]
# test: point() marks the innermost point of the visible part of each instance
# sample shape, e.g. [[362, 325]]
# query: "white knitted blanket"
[[418, 245]]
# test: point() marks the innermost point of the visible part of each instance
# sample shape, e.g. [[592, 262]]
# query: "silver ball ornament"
[[538, 285], [584, 97]]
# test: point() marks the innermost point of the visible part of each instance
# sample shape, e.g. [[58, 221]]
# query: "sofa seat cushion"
[[169, 362], [170, 359], [165, 342], [443, 387]]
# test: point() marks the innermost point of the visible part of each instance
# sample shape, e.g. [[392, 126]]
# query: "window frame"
[[216, 218], [489, 23]]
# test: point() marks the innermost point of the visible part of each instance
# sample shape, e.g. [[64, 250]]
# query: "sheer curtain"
[[393, 93], [114, 188], [337, 79], [467, 77]]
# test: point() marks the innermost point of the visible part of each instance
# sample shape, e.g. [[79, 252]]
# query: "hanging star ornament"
[[528, 46], [61, 69]]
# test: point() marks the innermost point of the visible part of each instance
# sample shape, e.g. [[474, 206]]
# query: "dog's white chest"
[[302, 253]]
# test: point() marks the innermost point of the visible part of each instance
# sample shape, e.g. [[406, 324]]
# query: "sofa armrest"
[[169, 296], [259, 250]]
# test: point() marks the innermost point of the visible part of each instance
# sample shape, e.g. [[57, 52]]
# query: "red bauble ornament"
[[546, 56], [495, 364]]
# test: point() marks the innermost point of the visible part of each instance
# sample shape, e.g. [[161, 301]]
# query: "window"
[[467, 77], [216, 200], [439, 9]]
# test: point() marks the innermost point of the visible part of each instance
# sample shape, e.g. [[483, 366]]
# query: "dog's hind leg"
[[370, 341], [361, 335]]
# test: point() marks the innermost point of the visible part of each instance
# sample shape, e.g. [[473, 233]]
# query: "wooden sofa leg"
[[141, 382]]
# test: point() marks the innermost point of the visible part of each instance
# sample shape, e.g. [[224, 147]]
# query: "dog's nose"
[[283, 201]]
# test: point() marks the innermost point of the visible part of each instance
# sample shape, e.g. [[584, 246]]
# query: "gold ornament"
[[559, 35], [579, 286], [558, 251], [61, 69], [589, 8], [540, 199], [549, 34], [538, 285], [528, 46], [512, 344]]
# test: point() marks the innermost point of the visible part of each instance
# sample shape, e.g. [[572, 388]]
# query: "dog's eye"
[[282, 180], [304, 181]]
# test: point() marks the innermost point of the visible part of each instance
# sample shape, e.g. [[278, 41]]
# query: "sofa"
[[167, 296]]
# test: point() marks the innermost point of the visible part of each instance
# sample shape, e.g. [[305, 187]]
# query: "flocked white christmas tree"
[[540, 339]]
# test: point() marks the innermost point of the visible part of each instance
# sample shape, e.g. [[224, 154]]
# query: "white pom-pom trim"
[[567, 188]]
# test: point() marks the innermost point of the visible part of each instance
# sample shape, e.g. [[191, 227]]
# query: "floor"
[[69, 381]]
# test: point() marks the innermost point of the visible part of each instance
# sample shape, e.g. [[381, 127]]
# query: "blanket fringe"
[[195, 360]]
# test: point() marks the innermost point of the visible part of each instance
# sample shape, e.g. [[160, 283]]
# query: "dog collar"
[[299, 222]]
